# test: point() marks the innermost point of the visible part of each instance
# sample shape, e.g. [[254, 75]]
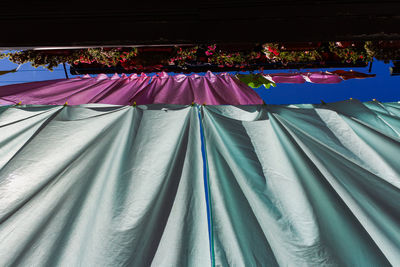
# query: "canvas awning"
[[106, 185]]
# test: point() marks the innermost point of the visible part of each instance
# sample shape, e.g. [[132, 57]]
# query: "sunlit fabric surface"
[[101, 186], [211, 89], [297, 185], [310, 186]]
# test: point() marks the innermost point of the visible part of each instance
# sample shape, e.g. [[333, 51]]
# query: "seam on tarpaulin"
[[206, 185]]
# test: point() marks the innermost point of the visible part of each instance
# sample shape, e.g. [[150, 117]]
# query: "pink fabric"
[[286, 78], [312, 77], [180, 89], [321, 77], [346, 75]]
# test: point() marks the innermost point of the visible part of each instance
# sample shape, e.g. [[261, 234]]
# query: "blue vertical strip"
[[206, 187]]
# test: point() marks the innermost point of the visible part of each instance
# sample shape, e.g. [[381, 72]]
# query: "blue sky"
[[383, 87]]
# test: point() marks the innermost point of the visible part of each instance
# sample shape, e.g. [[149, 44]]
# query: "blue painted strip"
[[206, 187]]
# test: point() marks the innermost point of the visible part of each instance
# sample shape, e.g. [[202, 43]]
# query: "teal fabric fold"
[[309, 186]]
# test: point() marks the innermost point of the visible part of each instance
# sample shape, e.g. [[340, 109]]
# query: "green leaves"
[[255, 80]]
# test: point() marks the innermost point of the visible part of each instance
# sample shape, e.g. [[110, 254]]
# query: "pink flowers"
[[273, 50], [211, 49]]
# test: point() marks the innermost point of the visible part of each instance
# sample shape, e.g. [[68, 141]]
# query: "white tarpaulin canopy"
[[169, 185]]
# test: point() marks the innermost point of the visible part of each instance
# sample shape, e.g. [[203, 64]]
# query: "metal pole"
[[65, 70], [370, 67]]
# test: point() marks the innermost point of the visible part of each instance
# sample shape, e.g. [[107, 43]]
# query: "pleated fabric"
[[102, 185], [220, 89], [296, 185], [310, 186]]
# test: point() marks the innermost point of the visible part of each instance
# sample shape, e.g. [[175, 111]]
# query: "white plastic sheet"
[[103, 185]]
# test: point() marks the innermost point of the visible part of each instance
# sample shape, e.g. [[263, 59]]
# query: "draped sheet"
[[316, 77], [210, 89], [297, 185], [312, 77], [310, 186], [101, 186]]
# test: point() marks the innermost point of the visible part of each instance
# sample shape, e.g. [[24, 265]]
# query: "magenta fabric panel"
[[166, 89], [312, 77], [82, 90], [321, 77], [286, 78], [210, 89]]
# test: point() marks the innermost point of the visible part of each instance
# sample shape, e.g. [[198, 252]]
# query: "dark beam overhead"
[[62, 23]]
